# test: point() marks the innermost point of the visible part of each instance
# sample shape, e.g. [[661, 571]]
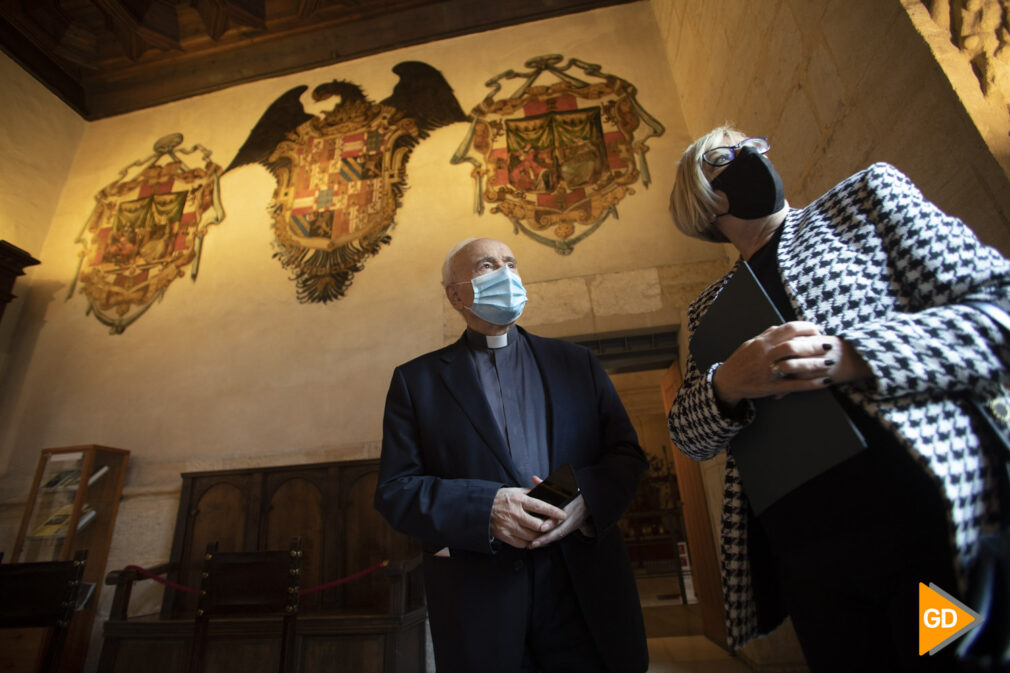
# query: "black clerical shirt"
[[514, 390]]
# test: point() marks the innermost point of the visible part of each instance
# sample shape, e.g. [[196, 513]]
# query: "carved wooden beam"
[[219, 15], [156, 25], [252, 13]]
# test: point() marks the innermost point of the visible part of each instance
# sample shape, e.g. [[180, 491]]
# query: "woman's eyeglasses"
[[720, 156]]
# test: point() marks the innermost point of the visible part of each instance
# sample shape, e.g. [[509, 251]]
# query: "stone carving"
[[981, 30]]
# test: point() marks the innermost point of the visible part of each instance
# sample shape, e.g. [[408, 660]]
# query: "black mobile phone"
[[558, 489]]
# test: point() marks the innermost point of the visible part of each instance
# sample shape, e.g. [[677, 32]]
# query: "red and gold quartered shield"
[[339, 177], [146, 229], [340, 174], [557, 158]]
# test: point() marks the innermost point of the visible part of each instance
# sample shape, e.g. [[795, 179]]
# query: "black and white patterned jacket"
[[873, 262]]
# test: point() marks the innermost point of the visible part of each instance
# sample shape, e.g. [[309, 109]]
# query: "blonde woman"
[[871, 279]]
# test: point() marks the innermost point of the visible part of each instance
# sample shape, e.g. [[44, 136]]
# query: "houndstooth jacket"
[[873, 262]]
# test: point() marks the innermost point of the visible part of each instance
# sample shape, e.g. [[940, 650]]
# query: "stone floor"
[[691, 654], [676, 643]]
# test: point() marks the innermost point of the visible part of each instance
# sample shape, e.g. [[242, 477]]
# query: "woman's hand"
[[784, 359]]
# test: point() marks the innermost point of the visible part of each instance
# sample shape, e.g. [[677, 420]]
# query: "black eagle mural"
[[341, 174]]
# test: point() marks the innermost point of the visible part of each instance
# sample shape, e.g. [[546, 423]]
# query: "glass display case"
[[72, 506]]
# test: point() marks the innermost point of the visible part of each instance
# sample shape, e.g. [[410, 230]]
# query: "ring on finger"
[[777, 371]]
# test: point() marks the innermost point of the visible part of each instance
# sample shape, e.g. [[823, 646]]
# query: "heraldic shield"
[[341, 174], [146, 229], [335, 198], [557, 158]]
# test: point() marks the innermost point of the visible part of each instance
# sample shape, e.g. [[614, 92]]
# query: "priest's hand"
[[576, 518], [512, 517]]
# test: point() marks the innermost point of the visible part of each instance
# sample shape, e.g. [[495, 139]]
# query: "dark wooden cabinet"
[[13, 260], [374, 623]]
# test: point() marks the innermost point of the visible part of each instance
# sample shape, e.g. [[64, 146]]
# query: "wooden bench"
[[371, 624]]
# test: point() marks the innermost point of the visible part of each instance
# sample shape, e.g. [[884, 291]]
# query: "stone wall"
[[970, 39], [836, 85], [980, 30]]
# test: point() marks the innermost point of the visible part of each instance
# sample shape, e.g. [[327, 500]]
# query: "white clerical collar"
[[497, 340], [478, 341]]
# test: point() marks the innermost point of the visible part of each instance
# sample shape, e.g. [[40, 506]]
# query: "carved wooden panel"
[[343, 654], [328, 505], [219, 513], [354, 628], [363, 523], [245, 655], [296, 509]]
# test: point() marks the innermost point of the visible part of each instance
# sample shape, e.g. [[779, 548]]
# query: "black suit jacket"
[[443, 460]]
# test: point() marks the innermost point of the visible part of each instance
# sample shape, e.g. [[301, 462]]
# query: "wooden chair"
[[372, 624], [262, 583], [34, 595]]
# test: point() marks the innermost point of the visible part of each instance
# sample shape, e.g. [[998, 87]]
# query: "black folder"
[[792, 439]]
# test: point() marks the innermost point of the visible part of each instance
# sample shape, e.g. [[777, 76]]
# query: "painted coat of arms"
[[341, 174], [556, 158], [146, 229]]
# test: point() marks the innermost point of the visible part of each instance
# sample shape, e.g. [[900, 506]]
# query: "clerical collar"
[[478, 340]]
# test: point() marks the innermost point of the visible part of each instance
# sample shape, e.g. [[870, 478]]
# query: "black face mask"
[[752, 185]]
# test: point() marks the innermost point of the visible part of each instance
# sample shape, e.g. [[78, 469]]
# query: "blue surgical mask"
[[498, 297]]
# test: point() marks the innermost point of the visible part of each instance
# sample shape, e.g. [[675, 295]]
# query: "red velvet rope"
[[302, 592], [148, 574], [343, 580]]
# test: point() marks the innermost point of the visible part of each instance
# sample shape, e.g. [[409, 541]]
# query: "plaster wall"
[[39, 136], [38, 139]]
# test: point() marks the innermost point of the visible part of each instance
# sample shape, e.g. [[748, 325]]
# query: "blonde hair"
[[447, 264], [692, 199]]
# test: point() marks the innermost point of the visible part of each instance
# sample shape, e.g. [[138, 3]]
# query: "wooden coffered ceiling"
[[107, 57]]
